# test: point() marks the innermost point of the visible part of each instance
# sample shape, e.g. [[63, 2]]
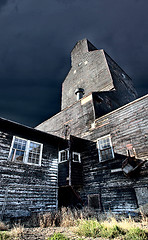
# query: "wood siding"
[[126, 125], [117, 192], [78, 117], [89, 71], [27, 188], [94, 70]]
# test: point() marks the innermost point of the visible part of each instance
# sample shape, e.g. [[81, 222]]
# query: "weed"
[[112, 232], [85, 223], [58, 236], [46, 220], [17, 231], [89, 228], [4, 235], [3, 227], [93, 228], [136, 234], [67, 217]]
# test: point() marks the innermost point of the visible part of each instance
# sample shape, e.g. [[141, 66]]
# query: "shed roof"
[[21, 130]]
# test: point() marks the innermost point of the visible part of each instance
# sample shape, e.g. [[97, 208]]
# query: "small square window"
[[64, 155], [105, 148], [76, 157]]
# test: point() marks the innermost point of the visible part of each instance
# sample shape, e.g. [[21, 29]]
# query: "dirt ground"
[[44, 233]]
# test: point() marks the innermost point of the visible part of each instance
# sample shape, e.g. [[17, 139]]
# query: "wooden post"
[[70, 160], [67, 131]]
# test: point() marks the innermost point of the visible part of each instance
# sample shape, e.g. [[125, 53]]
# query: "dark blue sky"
[[36, 38]]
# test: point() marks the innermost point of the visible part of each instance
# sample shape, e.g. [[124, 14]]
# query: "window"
[[64, 156], [26, 151], [76, 157], [105, 148]]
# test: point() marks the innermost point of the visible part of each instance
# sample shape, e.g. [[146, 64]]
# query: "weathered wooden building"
[[28, 170], [100, 106], [97, 155]]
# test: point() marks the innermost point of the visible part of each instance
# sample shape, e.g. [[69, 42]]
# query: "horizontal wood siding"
[[126, 125], [27, 188], [93, 76], [118, 193], [78, 118]]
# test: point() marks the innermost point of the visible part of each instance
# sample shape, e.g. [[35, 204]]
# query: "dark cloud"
[[2, 3], [36, 38]]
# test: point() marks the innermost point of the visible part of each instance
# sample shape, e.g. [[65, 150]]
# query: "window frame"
[[73, 153], [79, 157], [99, 149], [26, 151], [61, 151]]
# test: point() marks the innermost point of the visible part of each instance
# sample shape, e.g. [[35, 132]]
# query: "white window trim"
[[12, 143], [60, 155], [99, 150], [26, 151], [79, 157]]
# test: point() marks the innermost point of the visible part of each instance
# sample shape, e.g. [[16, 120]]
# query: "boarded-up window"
[[94, 201]]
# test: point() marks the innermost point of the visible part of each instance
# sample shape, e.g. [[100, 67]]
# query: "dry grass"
[[86, 221], [49, 219], [65, 217], [126, 223], [111, 228], [16, 232], [3, 226]]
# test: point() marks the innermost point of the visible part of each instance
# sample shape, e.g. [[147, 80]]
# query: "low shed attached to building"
[[28, 170]]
